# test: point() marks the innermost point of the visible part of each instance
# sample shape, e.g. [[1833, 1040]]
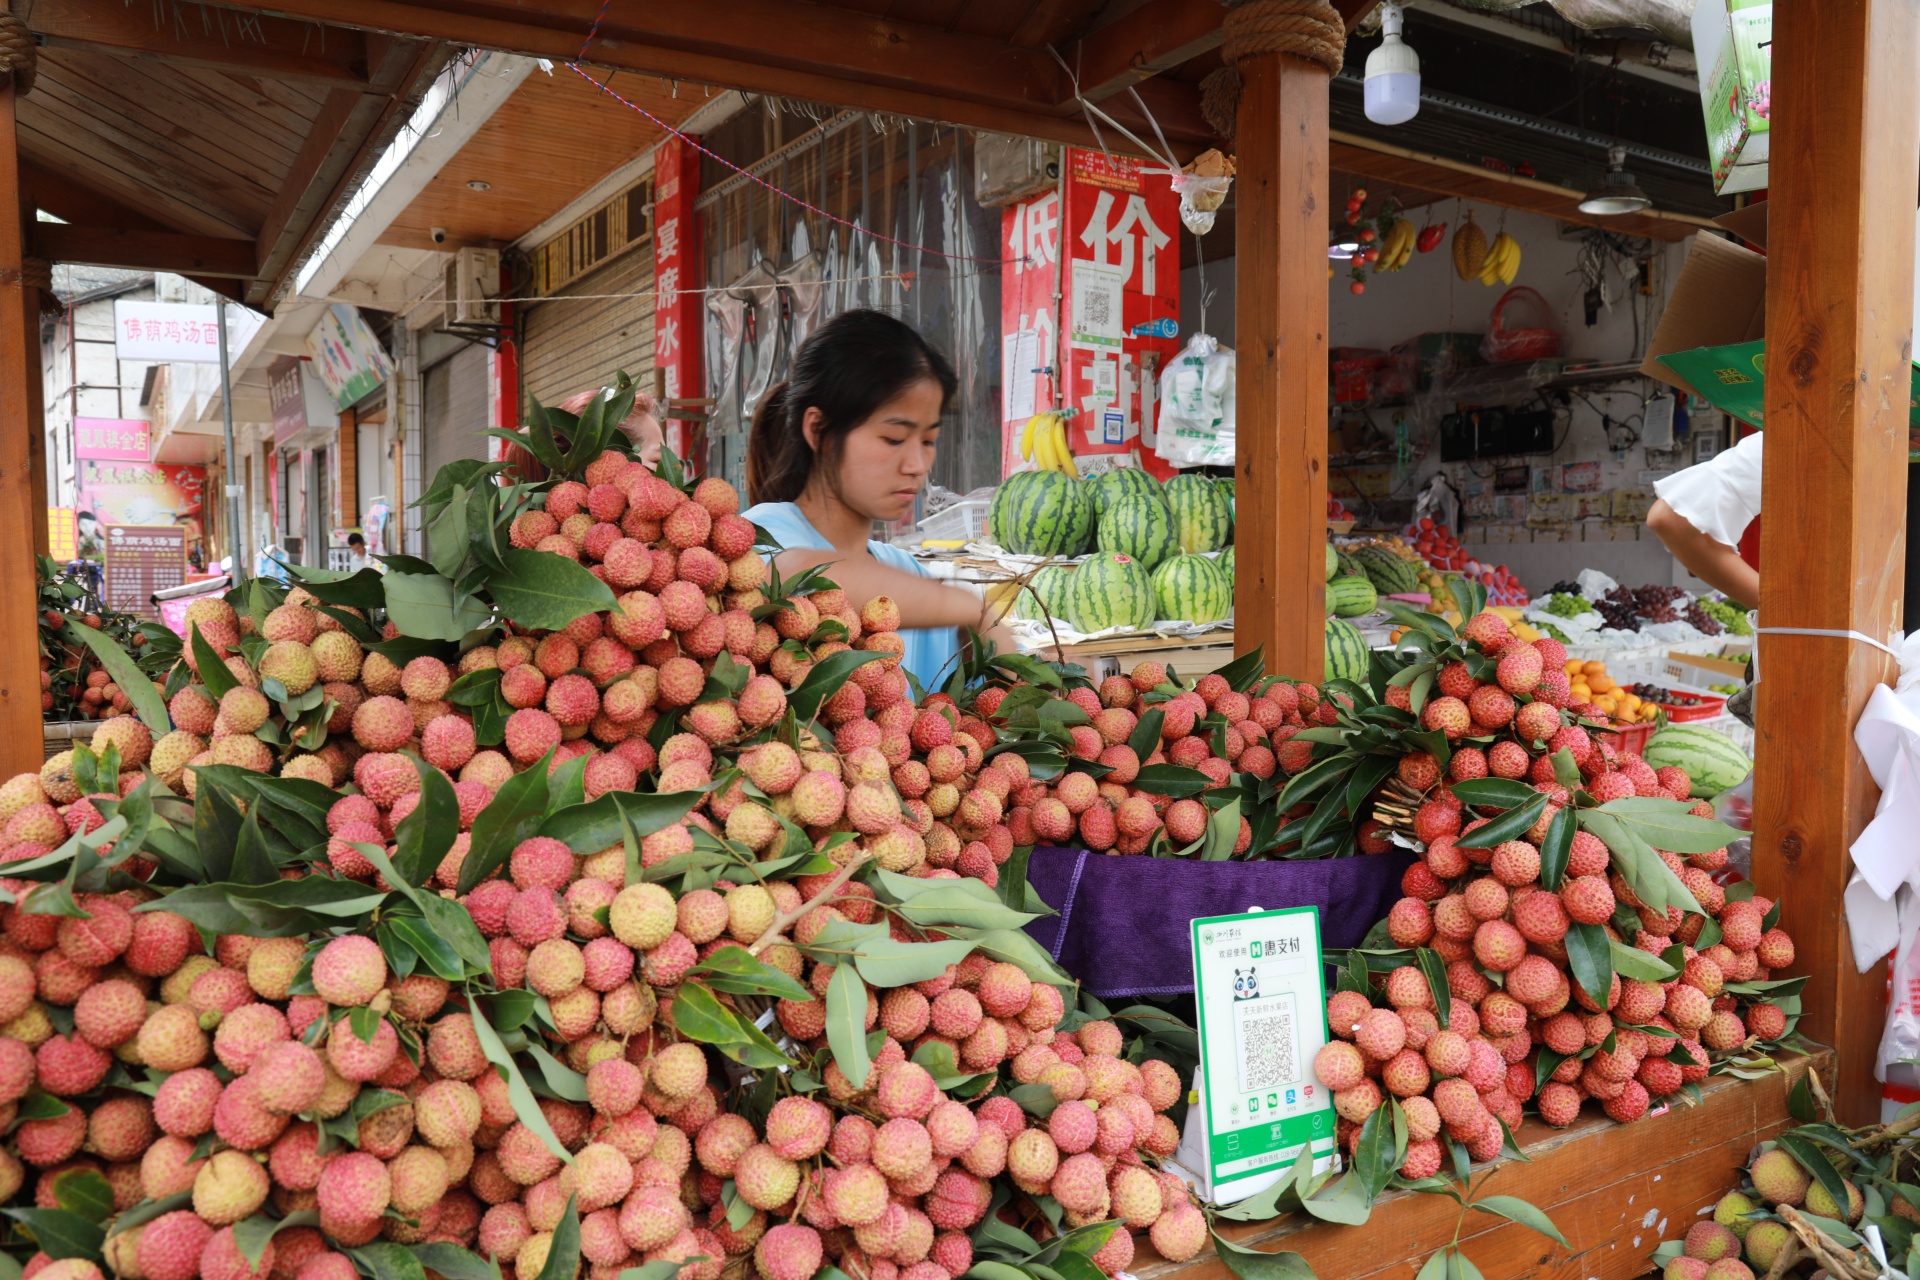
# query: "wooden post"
[[1839, 337], [22, 506], [1281, 271]]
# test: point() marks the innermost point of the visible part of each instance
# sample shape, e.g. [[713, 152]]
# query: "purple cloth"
[[1123, 927]]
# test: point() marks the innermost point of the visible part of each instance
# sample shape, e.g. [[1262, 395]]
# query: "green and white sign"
[[1261, 992]]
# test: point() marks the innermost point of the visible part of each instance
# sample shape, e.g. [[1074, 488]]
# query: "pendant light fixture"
[[1616, 192], [1393, 74]]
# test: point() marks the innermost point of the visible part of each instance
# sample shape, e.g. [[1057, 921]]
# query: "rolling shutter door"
[[570, 345], [454, 409]]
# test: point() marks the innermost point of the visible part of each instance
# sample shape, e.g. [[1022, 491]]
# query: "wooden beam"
[[1355, 11], [1281, 320], [144, 250], [1839, 338], [1158, 36], [812, 52], [253, 44], [21, 505]]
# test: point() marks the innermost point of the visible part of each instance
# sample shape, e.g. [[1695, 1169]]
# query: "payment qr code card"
[[1261, 991]]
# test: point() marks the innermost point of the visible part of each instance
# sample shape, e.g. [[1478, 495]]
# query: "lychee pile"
[[340, 1072], [1795, 1216], [1563, 984]]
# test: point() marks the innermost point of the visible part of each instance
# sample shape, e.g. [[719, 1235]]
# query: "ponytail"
[[847, 369]]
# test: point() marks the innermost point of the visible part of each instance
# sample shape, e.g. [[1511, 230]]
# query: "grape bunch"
[[1618, 608], [1564, 588], [1703, 621]]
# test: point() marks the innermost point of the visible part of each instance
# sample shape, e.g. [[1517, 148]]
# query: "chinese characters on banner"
[[141, 493], [112, 439], [140, 560], [179, 332], [677, 279], [286, 394], [1112, 256]]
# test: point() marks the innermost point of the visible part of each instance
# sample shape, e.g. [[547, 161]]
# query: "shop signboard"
[[347, 355], [1259, 987], [140, 560], [141, 492], [179, 332], [62, 543], [286, 395], [1102, 249], [112, 439], [677, 275]]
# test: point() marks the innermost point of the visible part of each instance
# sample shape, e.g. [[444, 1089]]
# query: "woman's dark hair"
[[847, 369]]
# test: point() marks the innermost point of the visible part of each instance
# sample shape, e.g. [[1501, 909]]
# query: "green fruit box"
[[1733, 43], [1733, 379]]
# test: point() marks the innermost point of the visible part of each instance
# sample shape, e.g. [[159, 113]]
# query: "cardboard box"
[[1733, 44]]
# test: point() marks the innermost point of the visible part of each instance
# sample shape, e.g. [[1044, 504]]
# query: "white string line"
[[908, 277]]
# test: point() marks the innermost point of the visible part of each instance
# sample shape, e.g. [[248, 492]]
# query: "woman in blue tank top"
[[847, 441]]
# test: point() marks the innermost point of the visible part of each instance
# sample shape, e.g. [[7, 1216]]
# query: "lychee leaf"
[[384, 1260], [826, 679], [1641, 966], [126, 673], [561, 1080], [732, 970], [514, 814], [85, 1192], [846, 1024], [454, 1263], [526, 1108], [1556, 849], [1510, 825], [61, 1233], [1590, 956]]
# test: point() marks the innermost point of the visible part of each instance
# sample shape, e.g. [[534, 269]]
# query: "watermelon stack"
[[1351, 597], [1202, 516], [1347, 655], [1138, 525], [1109, 487], [1192, 589], [1041, 513], [1109, 590], [1045, 595]]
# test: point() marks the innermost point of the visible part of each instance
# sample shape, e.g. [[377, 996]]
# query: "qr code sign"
[[1097, 310], [1267, 1048]]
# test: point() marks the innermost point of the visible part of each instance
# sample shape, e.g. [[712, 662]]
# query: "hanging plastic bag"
[[1202, 187], [1195, 426]]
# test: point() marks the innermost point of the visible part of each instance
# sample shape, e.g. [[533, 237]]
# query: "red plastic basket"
[[1633, 737], [1509, 342], [1708, 706]]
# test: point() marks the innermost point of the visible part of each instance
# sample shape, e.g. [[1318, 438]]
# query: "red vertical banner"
[[1090, 298], [678, 270]]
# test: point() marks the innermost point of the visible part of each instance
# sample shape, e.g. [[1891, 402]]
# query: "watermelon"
[[1109, 590], [1041, 513], [1192, 589], [1226, 565], [1351, 597], [1710, 758], [1109, 487], [1201, 515], [1349, 567], [1046, 588], [1138, 525], [1347, 654], [1389, 573], [1333, 562]]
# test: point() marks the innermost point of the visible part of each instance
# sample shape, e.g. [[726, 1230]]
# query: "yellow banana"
[[1398, 246], [1511, 263], [1061, 449], [1043, 444], [1026, 438]]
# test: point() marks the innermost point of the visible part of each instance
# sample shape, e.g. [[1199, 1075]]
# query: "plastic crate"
[[962, 521]]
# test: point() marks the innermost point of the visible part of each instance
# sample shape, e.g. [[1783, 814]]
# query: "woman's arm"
[[1708, 559], [924, 602]]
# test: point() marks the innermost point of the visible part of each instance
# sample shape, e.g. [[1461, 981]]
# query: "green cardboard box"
[[1734, 379], [1733, 43]]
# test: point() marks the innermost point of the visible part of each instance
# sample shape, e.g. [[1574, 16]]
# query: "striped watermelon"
[[1390, 574], [1226, 565], [1138, 525], [1192, 589], [1109, 590], [1047, 588], [1710, 759], [1041, 513], [1351, 597], [1347, 655], [1201, 515], [1333, 562], [1109, 487]]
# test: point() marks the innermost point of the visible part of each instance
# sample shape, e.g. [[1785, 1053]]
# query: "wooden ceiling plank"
[[256, 43], [1051, 22], [1155, 37], [221, 134], [340, 145], [125, 163], [57, 153], [285, 105], [62, 194], [990, 19], [142, 250]]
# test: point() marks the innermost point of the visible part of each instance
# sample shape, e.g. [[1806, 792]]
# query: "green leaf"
[[384, 1260], [253, 864], [887, 963], [126, 673], [148, 1210], [1172, 781], [1666, 824], [438, 953], [452, 922], [732, 970], [425, 835], [526, 1108], [1815, 1162], [847, 1024], [209, 906], [447, 535], [1556, 849], [545, 591], [1642, 966], [1255, 1264], [1146, 734], [1565, 771], [452, 1262], [563, 1080], [943, 905], [1245, 671], [1016, 947], [1510, 825], [84, 1192], [61, 1233], [427, 607], [825, 679], [1503, 793], [595, 825], [1435, 1267], [1590, 956], [252, 1234], [514, 814], [216, 826], [1434, 969], [1514, 1209], [1222, 833]]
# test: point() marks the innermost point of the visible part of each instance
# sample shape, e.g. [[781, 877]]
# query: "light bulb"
[[1393, 74]]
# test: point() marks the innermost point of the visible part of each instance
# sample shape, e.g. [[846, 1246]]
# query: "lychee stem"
[[786, 919]]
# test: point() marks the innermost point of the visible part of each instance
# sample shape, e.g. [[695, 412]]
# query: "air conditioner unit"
[[473, 287], [1006, 169]]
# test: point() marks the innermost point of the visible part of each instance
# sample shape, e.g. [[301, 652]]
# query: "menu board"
[[140, 560]]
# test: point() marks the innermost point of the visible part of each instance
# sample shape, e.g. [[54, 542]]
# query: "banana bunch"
[[1043, 442], [1396, 247], [1503, 261]]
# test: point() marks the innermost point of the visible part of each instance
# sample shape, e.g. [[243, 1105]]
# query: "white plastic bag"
[[1200, 198], [1195, 426]]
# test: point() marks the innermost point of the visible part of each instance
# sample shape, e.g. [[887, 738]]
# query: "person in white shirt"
[[1701, 513]]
